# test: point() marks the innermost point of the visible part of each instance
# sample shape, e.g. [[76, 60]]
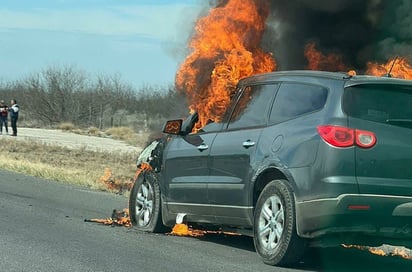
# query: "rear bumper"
[[367, 215]]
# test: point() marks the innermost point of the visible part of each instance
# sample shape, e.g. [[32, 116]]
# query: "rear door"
[[385, 110]]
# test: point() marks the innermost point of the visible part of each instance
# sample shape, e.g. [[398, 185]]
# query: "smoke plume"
[[359, 31], [238, 38]]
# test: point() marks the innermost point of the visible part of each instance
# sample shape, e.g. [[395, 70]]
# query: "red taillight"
[[345, 137], [337, 136]]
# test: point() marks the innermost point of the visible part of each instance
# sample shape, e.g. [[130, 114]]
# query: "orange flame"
[[320, 61], [118, 218], [140, 169], [352, 73], [121, 218], [400, 68], [182, 229], [225, 49], [385, 250], [115, 183]]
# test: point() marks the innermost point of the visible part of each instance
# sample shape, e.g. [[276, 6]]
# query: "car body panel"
[[387, 167], [386, 111], [186, 173], [231, 165]]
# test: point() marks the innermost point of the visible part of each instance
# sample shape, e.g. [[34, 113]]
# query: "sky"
[[141, 41]]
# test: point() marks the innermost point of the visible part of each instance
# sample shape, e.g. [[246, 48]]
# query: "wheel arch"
[[265, 176]]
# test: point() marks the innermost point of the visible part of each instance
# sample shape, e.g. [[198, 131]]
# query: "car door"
[[232, 153], [186, 173]]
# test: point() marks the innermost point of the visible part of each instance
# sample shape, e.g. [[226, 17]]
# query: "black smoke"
[[359, 30]]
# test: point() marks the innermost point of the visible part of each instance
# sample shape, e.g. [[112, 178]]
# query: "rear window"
[[380, 103]]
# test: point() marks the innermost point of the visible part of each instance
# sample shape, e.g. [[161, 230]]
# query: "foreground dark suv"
[[300, 156]]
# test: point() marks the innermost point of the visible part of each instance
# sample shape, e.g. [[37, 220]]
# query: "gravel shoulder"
[[74, 141]]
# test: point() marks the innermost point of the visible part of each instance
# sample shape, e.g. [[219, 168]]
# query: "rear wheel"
[[145, 203], [275, 237]]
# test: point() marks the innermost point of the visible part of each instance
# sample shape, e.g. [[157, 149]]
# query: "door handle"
[[248, 144], [202, 147]]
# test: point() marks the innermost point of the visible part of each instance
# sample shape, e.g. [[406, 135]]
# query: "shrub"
[[93, 131], [120, 133], [66, 126]]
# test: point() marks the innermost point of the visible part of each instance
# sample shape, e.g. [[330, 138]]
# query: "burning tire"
[[145, 203], [275, 236]]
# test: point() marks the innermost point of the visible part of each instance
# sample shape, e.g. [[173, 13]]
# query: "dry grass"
[[81, 167]]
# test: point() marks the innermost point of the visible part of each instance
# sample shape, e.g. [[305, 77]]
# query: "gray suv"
[[300, 158]]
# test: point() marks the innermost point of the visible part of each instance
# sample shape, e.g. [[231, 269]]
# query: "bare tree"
[[57, 95], [51, 94]]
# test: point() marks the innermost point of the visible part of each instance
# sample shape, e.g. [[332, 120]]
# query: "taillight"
[[365, 139], [338, 136]]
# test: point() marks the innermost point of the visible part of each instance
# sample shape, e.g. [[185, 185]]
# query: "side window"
[[295, 99], [252, 107]]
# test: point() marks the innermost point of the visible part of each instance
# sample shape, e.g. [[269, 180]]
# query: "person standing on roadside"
[[4, 112], [14, 115]]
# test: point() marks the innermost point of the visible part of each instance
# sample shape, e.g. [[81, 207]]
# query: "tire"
[[274, 227], [145, 204]]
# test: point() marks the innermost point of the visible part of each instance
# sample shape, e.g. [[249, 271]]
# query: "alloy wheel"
[[144, 204], [271, 223]]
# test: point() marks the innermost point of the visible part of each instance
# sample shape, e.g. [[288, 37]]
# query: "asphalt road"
[[42, 228]]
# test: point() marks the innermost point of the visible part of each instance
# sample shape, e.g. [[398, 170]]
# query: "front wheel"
[[145, 203], [275, 237]]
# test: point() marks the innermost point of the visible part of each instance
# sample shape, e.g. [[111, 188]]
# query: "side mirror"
[[173, 127]]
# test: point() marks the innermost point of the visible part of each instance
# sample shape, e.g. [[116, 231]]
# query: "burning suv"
[[300, 158]]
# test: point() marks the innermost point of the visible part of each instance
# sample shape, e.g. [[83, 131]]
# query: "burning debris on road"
[[385, 250], [181, 229], [118, 218]]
